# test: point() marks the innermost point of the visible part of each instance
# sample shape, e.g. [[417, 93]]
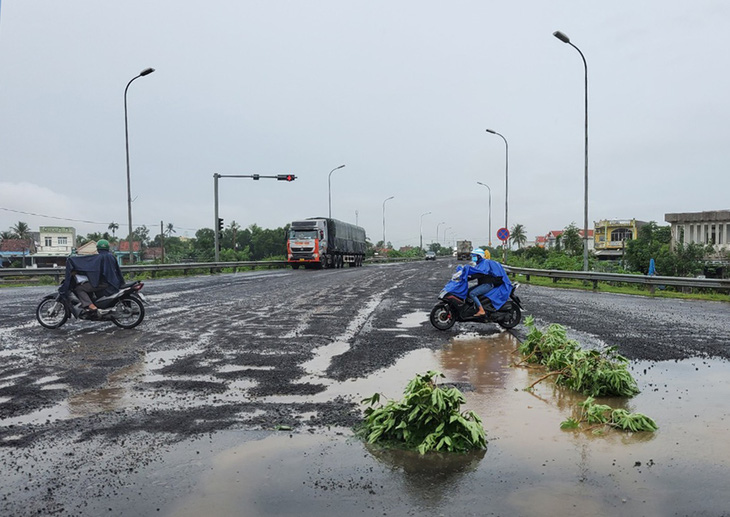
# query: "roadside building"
[[87, 248], [611, 236], [17, 252], [54, 244], [552, 238], [712, 227], [122, 252]]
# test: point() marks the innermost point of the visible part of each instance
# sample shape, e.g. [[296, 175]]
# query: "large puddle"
[[531, 466]]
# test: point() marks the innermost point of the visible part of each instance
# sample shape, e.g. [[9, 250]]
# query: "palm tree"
[[113, 227], [518, 236], [170, 229], [21, 230], [6, 235]]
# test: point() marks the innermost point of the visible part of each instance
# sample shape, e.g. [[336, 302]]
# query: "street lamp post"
[[446, 230], [329, 189], [437, 232], [490, 211], [565, 39], [506, 188], [146, 71], [420, 231], [385, 245]]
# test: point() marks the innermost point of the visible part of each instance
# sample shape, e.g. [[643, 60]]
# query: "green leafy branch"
[[591, 372], [599, 416], [426, 419]]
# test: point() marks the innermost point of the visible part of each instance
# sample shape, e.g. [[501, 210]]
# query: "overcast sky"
[[401, 92]]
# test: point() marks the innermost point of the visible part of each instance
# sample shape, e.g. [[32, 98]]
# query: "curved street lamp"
[[490, 211], [565, 39], [146, 71], [420, 231], [385, 245], [437, 233], [506, 188], [329, 189]]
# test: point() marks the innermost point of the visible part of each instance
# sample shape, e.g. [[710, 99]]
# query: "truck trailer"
[[320, 242], [463, 250]]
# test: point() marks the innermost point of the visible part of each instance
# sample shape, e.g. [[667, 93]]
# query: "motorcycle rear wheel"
[[51, 313], [128, 312], [442, 317], [515, 316]]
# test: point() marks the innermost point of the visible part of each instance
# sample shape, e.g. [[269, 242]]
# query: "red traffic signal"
[[286, 177]]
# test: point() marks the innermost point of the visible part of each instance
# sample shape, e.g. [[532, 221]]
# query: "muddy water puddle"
[[531, 466]]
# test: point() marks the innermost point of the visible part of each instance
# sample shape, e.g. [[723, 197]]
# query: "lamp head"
[[491, 131], [146, 71], [562, 37]]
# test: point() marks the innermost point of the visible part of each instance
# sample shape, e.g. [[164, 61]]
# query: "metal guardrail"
[[185, 267], [214, 267], [651, 281]]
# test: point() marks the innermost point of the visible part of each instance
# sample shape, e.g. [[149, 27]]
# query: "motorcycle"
[[124, 308], [452, 308]]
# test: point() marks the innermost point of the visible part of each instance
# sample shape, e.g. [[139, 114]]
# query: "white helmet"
[[478, 251]]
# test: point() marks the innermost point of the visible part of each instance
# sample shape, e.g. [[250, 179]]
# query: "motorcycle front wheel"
[[515, 316], [441, 316], [128, 312], [51, 313]]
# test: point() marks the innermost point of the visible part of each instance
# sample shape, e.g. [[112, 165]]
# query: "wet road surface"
[[236, 394]]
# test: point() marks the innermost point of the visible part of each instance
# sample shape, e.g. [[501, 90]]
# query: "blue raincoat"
[[459, 284], [652, 268]]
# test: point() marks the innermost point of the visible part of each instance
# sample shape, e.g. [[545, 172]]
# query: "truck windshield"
[[302, 234]]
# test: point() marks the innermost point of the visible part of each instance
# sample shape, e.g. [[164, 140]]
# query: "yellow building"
[[610, 236]]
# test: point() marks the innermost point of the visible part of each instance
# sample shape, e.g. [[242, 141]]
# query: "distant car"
[[430, 255]]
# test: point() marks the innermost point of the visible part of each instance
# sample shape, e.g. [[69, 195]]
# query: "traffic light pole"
[[215, 221], [218, 222]]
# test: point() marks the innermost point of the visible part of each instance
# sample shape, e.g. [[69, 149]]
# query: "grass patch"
[[622, 288]]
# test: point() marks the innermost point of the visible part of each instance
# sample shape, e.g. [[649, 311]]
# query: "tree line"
[[256, 243], [653, 242]]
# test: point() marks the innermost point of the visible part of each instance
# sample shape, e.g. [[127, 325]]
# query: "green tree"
[[203, 246], [651, 243], [142, 234], [234, 227], [571, 240], [518, 235], [113, 227]]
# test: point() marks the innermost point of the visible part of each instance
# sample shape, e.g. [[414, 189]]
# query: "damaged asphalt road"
[[254, 351]]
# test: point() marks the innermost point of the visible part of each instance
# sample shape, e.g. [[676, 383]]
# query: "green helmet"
[[102, 244]]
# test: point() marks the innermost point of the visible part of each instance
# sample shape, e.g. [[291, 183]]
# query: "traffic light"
[[255, 177], [285, 177], [220, 227]]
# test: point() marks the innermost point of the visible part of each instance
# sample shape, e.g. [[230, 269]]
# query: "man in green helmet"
[[88, 274]]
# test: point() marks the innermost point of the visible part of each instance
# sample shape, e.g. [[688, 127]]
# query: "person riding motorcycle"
[[489, 275], [88, 274]]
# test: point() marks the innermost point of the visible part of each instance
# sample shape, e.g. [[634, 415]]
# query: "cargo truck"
[[320, 242], [463, 250]]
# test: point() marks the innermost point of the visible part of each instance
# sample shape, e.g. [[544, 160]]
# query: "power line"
[[50, 216], [80, 220]]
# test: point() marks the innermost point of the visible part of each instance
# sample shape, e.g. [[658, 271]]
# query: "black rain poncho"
[[95, 267]]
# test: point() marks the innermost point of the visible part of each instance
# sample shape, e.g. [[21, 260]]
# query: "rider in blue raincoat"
[[489, 274]]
